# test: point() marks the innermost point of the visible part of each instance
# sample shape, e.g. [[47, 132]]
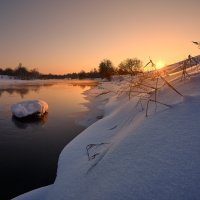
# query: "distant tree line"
[[21, 72], [106, 70], [81, 75]]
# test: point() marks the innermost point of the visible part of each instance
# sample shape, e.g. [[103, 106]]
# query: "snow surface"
[[31, 107], [126, 155]]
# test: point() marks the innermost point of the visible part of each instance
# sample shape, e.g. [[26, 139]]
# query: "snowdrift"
[[29, 108]]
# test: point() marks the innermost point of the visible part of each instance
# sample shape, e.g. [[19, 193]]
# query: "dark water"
[[29, 151]]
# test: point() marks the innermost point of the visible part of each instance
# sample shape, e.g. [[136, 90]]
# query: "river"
[[29, 151]]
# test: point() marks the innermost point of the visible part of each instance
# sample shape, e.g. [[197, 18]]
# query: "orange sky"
[[62, 36]]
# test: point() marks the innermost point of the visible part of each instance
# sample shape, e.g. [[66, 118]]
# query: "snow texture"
[[28, 108], [126, 155]]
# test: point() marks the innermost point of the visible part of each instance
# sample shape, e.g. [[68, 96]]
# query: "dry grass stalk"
[[89, 147], [146, 87], [151, 100]]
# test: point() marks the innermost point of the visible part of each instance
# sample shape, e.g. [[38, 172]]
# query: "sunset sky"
[[62, 36]]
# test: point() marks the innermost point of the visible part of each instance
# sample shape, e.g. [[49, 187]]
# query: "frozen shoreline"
[[95, 107]]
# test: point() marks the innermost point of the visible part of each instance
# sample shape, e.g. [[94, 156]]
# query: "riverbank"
[[138, 150]]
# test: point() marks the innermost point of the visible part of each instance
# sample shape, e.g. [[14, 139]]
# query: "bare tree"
[[130, 66]]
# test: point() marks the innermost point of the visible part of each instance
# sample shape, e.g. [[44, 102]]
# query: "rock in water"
[[29, 108]]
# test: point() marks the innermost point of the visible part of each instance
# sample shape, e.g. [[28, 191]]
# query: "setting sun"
[[160, 64]]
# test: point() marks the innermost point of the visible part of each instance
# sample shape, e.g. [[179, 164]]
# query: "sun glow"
[[160, 64]]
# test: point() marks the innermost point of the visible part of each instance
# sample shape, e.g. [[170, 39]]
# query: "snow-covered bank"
[[126, 155]]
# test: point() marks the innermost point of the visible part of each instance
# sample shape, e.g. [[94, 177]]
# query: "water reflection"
[[81, 86], [82, 83], [20, 90], [23, 90], [31, 121]]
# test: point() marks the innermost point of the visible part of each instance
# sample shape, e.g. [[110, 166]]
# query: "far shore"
[[14, 82]]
